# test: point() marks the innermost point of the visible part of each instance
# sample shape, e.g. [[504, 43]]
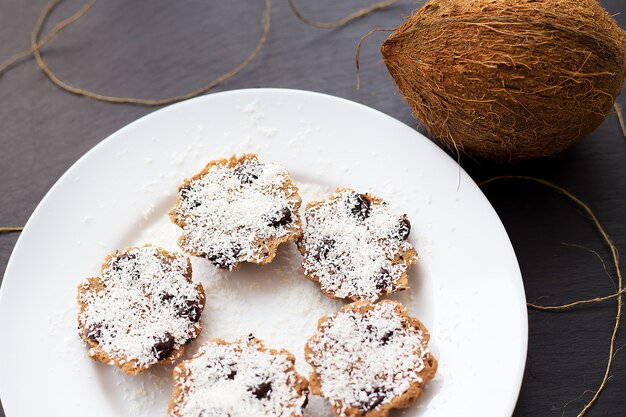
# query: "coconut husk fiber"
[[508, 80]]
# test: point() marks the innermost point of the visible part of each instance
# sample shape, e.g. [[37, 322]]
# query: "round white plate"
[[467, 288]]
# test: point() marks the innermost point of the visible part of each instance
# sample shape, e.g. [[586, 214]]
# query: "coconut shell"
[[508, 80]]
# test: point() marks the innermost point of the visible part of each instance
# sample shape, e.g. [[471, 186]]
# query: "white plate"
[[467, 288]]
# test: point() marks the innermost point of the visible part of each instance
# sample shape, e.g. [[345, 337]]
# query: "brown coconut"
[[508, 80]]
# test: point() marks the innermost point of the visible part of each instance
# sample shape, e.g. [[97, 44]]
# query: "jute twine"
[[10, 229], [562, 307], [38, 42], [620, 117], [342, 22]]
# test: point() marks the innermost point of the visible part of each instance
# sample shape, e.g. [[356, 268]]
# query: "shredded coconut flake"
[[142, 296], [230, 212], [239, 379], [367, 358], [356, 248]]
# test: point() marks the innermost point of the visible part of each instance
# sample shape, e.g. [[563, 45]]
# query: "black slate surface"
[[157, 48]]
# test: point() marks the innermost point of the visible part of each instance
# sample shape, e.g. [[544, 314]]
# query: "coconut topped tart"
[[370, 358], [355, 246], [238, 379], [237, 210], [142, 310]]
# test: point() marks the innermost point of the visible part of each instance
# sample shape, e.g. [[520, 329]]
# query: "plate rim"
[[523, 329]]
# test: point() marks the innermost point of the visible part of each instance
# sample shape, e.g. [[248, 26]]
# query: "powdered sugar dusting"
[[356, 248], [238, 380], [142, 297], [233, 208], [366, 358]]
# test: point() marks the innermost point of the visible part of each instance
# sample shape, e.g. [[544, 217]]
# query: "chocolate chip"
[[127, 259], [262, 390], [370, 334], [282, 218], [227, 259], [94, 332], [382, 279], [232, 374], [185, 193], [191, 310], [305, 403], [324, 249], [167, 297], [375, 398], [404, 228], [362, 206], [385, 338], [235, 250], [250, 337], [163, 347], [247, 174], [220, 261], [116, 264]]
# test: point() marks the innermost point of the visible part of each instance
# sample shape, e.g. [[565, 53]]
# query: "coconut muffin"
[[238, 379], [142, 310], [237, 210], [370, 358], [355, 246]]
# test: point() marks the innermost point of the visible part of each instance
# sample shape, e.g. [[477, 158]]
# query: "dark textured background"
[[154, 49]]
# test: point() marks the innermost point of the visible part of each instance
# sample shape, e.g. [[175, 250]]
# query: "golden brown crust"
[[402, 401], [181, 372], [267, 247], [129, 366], [408, 257]]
